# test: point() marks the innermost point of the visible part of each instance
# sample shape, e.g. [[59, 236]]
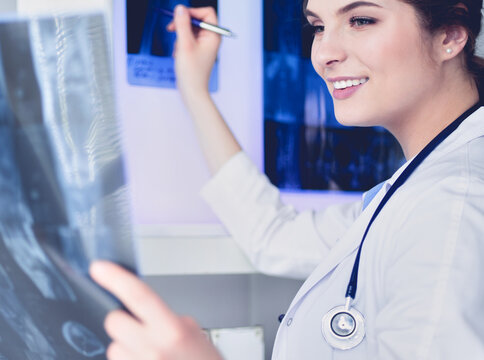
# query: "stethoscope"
[[343, 327]]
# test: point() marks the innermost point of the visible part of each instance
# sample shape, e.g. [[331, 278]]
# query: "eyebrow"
[[344, 9]]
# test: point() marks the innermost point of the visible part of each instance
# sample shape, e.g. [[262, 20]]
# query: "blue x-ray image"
[[150, 46], [63, 195], [304, 145]]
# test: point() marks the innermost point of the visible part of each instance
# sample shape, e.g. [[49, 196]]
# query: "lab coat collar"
[[471, 128]]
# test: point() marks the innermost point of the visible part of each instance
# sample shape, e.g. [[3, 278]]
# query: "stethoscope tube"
[[343, 327], [421, 156]]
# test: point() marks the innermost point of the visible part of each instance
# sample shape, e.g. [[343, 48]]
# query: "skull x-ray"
[[63, 196]]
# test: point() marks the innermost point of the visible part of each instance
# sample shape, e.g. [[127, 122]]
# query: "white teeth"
[[343, 84]]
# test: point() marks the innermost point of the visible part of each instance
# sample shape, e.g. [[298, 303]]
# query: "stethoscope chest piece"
[[343, 327]]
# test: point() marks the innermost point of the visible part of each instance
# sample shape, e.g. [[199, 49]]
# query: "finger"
[[126, 330], [206, 14], [117, 351], [183, 25], [133, 293], [171, 26], [174, 50]]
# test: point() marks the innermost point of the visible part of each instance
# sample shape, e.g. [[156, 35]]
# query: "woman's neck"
[[434, 114]]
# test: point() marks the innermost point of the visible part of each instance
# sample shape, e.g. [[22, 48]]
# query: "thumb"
[[184, 33]]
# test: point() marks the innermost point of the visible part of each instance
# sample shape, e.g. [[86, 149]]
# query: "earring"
[[449, 51]]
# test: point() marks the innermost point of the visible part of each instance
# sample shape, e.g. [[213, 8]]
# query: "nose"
[[327, 51]]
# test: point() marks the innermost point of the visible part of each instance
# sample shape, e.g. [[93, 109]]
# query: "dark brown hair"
[[437, 14]]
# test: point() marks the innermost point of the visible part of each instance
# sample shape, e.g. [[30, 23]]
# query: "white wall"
[[40, 6], [8, 5], [480, 41]]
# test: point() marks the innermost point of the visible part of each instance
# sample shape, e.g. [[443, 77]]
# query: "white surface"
[[239, 343], [163, 251], [480, 41], [8, 5], [43, 6]]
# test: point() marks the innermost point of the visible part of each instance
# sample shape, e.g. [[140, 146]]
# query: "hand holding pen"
[[195, 50], [199, 23]]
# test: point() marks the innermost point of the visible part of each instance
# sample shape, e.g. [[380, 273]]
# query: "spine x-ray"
[[62, 190]]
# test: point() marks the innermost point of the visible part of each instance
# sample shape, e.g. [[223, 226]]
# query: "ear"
[[451, 41]]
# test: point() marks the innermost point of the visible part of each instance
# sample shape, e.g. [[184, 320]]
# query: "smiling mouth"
[[343, 84]]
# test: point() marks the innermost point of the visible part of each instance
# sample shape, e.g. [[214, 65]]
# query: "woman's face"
[[375, 59]]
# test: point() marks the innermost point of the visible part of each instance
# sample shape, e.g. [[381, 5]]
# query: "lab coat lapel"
[[345, 246]]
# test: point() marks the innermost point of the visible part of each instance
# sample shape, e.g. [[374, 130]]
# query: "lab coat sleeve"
[[434, 293], [277, 239]]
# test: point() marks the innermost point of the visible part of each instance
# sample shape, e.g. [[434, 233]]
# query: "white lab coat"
[[420, 287]]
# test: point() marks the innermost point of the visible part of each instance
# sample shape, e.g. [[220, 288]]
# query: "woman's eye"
[[317, 29], [361, 21]]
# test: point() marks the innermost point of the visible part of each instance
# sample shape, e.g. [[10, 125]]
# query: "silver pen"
[[199, 23]]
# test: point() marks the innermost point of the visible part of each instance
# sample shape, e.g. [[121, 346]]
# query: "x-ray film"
[[63, 195], [305, 148], [151, 46]]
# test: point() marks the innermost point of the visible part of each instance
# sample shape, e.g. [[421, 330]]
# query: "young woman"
[[395, 276]]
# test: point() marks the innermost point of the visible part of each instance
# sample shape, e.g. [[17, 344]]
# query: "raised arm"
[[195, 54], [277, 239]]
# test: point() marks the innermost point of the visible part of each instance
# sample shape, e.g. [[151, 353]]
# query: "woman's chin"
[[352, 118]]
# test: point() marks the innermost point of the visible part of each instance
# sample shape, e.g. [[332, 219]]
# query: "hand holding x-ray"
[[152, 330]]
